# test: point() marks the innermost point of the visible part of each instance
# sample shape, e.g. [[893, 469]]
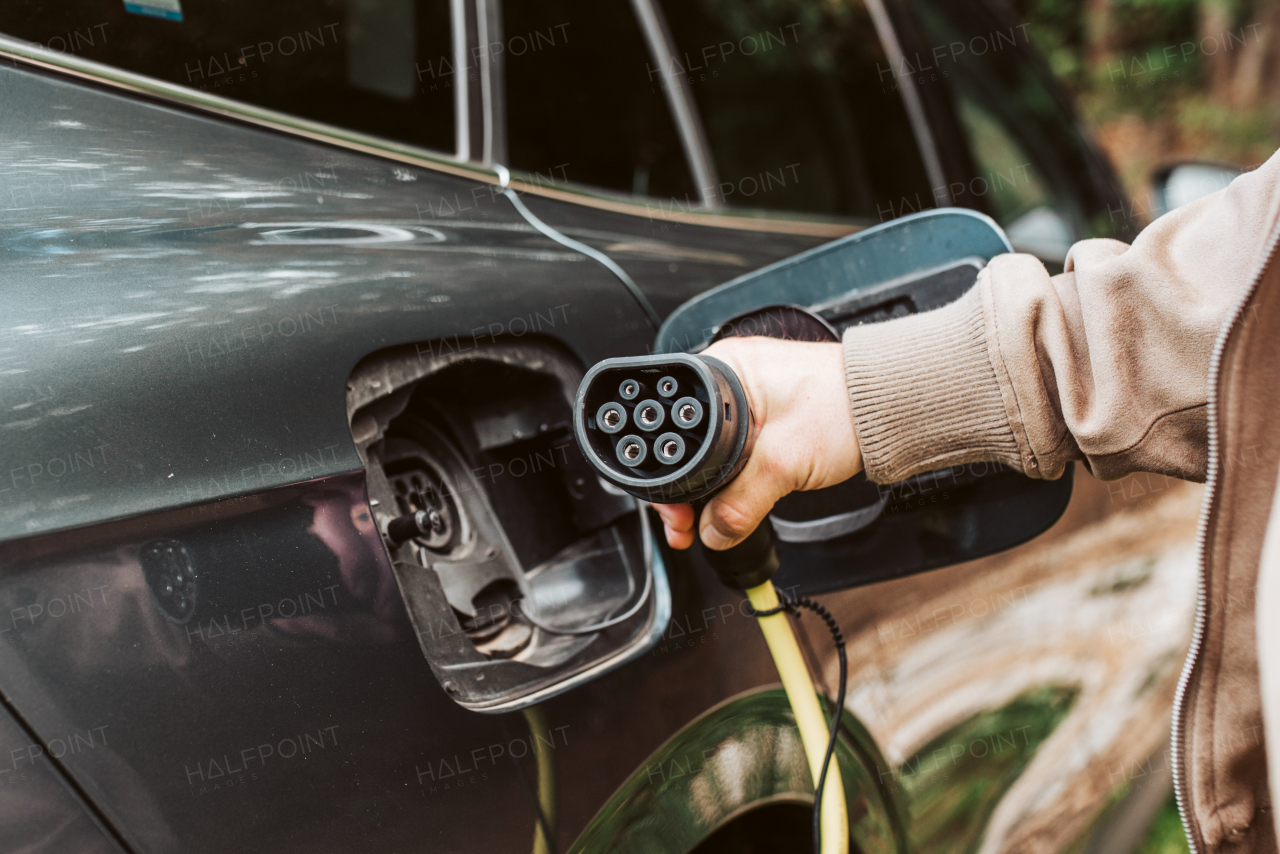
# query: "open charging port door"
[[523, 573], [859, 532]]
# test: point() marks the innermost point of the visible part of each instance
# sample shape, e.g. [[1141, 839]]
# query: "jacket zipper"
[[1202, 535]]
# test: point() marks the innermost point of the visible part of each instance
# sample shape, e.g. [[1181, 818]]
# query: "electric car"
[[275, 278]]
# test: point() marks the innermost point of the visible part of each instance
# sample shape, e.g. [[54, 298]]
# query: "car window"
[[581, 104], [1031, 173], [1012, 187], [376, 66], [797, 111]]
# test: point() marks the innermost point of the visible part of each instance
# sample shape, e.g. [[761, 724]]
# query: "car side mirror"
[[859, 532], [1177, 184]]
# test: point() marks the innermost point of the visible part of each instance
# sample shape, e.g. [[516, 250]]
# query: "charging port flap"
[[859, 532]]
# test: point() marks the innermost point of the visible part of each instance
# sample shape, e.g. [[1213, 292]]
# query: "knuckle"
[[736, 352], [732, 520], [725, 345]]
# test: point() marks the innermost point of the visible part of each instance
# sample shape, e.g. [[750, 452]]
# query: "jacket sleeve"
[[1107, 363]]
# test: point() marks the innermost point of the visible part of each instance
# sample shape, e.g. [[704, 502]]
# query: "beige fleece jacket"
[[1109, 364]]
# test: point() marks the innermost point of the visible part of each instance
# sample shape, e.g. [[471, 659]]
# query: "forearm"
[[1106, 363]]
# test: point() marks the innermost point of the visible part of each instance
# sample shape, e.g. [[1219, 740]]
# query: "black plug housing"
[[668, 429], [674, 429]]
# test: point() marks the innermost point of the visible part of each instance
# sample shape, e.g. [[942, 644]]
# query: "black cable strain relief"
[[750, 563]]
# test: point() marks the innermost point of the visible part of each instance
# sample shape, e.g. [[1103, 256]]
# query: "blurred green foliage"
[[1058, 27], [1165, 836], [1151, 78], [954, 782]]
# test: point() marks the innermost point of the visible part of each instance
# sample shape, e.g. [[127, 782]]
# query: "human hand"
[[804, 436]]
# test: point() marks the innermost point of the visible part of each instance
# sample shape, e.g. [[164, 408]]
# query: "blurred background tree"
[[1163, 80]]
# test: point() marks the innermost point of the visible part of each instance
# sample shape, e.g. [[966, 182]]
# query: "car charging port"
[[523, 572]]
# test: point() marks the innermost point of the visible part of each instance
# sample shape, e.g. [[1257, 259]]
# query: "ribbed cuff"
[[924, 394]]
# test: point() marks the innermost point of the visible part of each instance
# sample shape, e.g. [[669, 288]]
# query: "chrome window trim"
[[461, 105], [16, 52], [492, 81], [916, 114], [469, 94], [693, 136]]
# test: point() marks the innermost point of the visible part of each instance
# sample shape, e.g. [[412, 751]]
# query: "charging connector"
[[668, 429]]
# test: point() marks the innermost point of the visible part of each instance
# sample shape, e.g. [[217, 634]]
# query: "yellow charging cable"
[[546, 781], [814, 733]]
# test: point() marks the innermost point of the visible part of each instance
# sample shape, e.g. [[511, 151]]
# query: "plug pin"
[[650, 415], [611, 417], [669, 448], [632, 451], [687, 413]]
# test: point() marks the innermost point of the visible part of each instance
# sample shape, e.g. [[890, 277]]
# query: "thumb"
[[742, 505]]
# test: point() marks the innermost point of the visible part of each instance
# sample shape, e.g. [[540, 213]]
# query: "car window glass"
[[796, 113], [580, 104], [1011, 187], [1022, 139], [375, 66]]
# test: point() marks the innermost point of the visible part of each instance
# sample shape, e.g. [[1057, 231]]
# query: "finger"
[[677, 524], [734, 513], [677, 517], [678, 540]]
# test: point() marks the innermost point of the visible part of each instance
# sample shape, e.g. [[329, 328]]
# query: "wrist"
[[800, 401]]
